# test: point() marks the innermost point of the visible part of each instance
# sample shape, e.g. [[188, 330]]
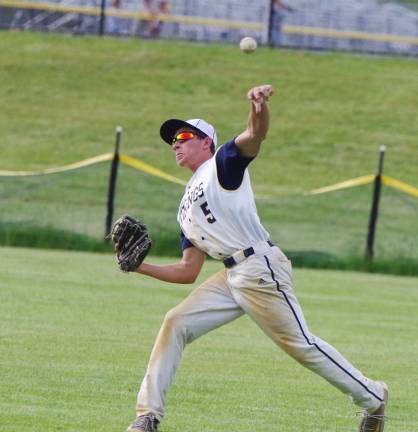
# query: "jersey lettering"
[[206, 211], [191, 197], [216, 219]]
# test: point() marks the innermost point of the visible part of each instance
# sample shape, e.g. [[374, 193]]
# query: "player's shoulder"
[[231, 165]]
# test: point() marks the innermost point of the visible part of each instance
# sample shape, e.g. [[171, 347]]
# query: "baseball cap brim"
[[171, 126]]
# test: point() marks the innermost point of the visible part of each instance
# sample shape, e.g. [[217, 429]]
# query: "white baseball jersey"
[[218, 215], [221, 219]]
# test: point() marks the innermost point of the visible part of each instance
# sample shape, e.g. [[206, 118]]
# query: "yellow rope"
[[211, 22], [81, 164], [142, 166], [149, 169], [397, 184], [128, 160], [343, 185], [347, 34]]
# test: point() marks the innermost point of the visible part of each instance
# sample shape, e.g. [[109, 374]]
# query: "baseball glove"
[[132, 242]]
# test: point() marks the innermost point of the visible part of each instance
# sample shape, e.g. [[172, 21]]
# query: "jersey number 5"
[[206, 211]]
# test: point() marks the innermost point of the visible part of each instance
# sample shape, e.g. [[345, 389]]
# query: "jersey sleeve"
[[185, 242], [231, 165]]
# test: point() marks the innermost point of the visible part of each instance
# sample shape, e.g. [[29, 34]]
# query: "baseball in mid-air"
[[248, 44]]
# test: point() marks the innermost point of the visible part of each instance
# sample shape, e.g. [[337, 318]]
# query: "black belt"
[[230, 261]]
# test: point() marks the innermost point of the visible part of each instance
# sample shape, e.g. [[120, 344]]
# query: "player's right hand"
[[259, 95]]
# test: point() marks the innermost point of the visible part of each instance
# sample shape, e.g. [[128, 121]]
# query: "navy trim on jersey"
[[313, 343], [185, 242], [231, 165]]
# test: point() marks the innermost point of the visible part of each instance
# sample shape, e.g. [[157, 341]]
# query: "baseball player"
[[218, 217]]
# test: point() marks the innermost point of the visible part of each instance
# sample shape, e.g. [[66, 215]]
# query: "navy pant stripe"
[[307, 339]]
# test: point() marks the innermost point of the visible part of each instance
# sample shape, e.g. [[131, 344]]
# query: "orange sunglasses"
[[184, 136]]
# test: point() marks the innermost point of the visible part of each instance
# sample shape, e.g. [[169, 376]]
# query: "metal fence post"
[[102, 21], [112, 182], [270, 24], [375, 205]]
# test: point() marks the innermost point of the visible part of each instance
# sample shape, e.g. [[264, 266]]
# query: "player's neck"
[[198, 163]]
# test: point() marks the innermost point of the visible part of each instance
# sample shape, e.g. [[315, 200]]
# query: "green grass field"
[[63, 96], [76, 335]]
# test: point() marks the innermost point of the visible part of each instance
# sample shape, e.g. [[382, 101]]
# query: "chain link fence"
[[360, 25]]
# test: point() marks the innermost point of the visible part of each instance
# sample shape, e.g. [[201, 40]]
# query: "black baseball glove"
[[132, 242]]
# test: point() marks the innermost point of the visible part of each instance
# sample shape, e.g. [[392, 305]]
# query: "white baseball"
[[248, 44]]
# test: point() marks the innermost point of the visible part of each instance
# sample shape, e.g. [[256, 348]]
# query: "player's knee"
[[172, 319], [174, 323]]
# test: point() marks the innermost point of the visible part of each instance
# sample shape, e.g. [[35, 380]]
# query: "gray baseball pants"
[[261, 287]]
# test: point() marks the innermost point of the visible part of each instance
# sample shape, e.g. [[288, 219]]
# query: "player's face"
[[188, 146]]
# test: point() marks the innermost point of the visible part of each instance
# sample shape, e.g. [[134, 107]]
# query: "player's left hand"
[[259, 95], [132, 242]]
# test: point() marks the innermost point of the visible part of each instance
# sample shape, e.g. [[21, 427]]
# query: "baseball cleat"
[[144, 423], [375, 422]]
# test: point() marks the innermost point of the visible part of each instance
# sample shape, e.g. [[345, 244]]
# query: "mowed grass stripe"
[[76, 335]]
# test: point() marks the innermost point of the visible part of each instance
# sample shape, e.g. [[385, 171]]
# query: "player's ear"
[[207, 141]]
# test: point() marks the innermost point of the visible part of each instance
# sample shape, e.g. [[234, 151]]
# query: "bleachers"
[[366, 18]]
